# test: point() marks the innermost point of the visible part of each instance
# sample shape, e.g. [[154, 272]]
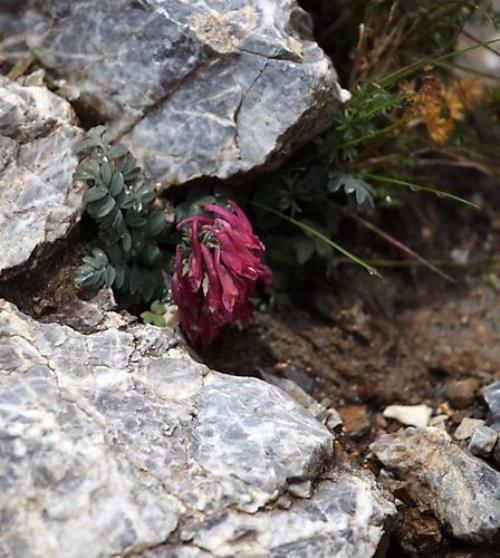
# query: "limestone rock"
[[467, 428], [483, 441], [38, 200], [492, 397], [411, 415], [195, 89], [462, 490], [120, 444]]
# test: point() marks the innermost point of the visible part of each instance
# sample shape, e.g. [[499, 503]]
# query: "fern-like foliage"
[[126, 255]]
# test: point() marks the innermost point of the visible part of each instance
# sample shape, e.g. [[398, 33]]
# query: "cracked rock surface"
[[462, 490], [195, 89], [38, 201], [120, 444]]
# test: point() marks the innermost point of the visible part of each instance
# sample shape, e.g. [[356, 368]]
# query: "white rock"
[[411, 415]]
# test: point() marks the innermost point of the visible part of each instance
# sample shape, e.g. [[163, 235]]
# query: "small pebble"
[[301, 489], [483, 441], [439, 421], [410, 415], [333, 420], [356, 420], [460, 393], [467, 428]]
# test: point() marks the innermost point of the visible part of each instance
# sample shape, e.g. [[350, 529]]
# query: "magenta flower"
[[217, 268]]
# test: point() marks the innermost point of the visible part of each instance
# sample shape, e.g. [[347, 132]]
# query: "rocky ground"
[[367, 425]]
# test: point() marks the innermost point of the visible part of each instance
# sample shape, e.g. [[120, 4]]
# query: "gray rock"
[[491, 395], [38, 200], [195, 89], [483, 441], [328, 416], [462, 490], [120, 444], [467, 428]]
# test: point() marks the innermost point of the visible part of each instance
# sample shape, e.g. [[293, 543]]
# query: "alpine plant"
[[217, 267]]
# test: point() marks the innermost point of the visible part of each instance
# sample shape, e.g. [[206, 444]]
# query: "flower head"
[[217, 268]]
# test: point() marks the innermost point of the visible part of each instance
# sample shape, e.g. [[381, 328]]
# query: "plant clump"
[[126, 255]]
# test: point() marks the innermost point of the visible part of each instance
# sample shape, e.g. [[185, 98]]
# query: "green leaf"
[[117, 184], [118, 151], [149, 288], [126, 241], [148, 317], [110, 276], [120, 276], [197, 206], [156, 223], [100, 257], [126, 164], [135, 219], [304, 248], [159, 321], [106, 172], [352, 185], [153, 254], [114, 222], [95, 193], [158, 308], [101, 208], [114, 252]]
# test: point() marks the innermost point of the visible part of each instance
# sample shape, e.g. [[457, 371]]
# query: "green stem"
[[408, 70], [419, 188], [311, 230]]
